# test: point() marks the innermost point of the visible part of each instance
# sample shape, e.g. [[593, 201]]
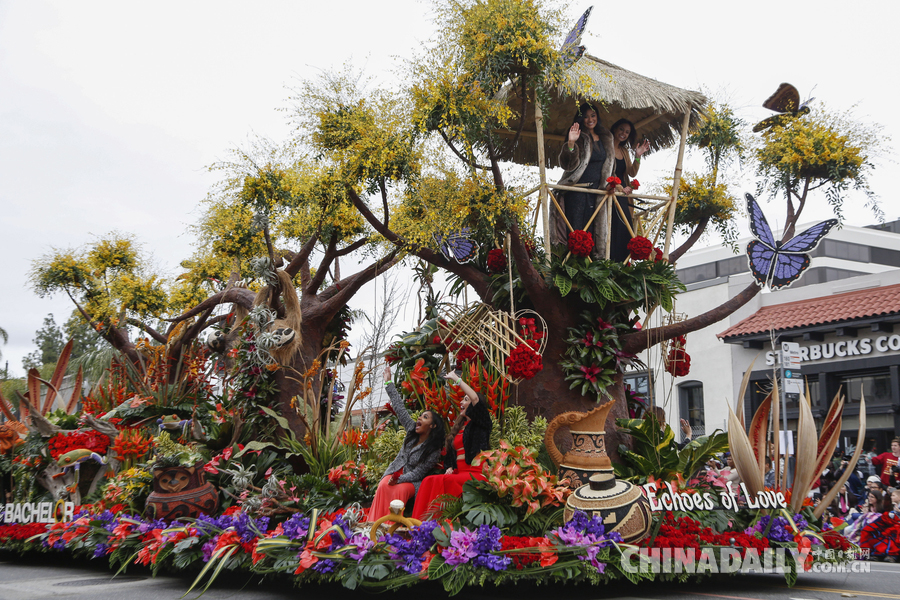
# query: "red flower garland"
[[640, 248], [581, 243], [496, 261], [523, 361]]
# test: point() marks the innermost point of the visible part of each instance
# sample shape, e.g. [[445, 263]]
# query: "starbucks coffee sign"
[[884, 344]]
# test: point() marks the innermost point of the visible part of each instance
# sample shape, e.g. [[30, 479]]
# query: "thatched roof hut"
[[657, 109]]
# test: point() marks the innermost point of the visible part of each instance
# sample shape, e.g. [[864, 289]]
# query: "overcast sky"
[[110, 112]]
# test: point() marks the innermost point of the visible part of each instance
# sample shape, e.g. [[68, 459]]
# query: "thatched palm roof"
[[657, 109]]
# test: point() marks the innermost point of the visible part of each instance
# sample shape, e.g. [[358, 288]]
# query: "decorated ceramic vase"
[[588, 454], [180, 491], [620, 505]]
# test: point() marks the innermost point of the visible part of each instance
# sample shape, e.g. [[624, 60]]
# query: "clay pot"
[[620, 505], [181, 492], [588, 454]]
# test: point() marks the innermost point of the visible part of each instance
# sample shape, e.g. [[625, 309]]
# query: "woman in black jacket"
[[469, 436]]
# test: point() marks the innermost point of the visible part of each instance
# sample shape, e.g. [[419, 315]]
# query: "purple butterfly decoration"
[[571, 49], [778, 264], [457, 245]]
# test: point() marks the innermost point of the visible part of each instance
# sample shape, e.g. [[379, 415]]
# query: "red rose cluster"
[[523, 361], [496, 261], [90, 440], [612, 182], [580, 243], [685, 532], [635, 184], [640, 248]]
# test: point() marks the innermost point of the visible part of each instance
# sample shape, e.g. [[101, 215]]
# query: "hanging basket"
[[495, 332]]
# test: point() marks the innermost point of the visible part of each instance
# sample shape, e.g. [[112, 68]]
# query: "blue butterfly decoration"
[[571, 49], [778, 264], [457, 245]]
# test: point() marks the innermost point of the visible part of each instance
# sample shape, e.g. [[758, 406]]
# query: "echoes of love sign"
[[728, 500], [37, 512]]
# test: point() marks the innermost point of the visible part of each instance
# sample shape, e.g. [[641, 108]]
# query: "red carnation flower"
[[635, 184], [640, 248], [580, 243], [496, 261]]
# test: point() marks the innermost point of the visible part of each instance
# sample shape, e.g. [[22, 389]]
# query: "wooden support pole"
[[624, 217], [542, 194], [676, 181], [608, 244]]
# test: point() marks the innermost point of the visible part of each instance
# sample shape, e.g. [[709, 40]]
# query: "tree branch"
[[638, 341], [512, 144], [471, 275], [147, 329], [192, 332], [384, 202], [236, 295], [692, 239], [459, 155], [114, 336], [495, 165], [322, 270], [352, 247], [302, 256], [533, 281], [341, 292]]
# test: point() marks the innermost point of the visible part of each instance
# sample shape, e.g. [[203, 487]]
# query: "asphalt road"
[[39, 578]]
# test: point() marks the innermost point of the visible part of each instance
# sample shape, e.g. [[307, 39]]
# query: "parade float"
[[224, 441]]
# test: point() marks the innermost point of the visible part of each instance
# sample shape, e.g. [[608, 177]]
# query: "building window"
[[812, 389], [876, 386], [639, 383], [691, 400]]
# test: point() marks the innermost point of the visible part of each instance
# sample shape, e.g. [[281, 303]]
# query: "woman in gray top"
[[419, 454]]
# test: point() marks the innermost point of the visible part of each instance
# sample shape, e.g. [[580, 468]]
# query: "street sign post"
[[791, 389]]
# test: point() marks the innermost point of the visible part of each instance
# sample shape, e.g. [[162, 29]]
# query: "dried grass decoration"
[[499, 334]]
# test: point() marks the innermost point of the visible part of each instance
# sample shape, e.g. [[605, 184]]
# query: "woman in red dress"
[[469, 436]]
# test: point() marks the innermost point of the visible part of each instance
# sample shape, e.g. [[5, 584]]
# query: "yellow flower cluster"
[[817, 146]]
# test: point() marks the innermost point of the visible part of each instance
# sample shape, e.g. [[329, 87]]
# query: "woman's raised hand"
[[387, 372], [642, 147], [574, 133]]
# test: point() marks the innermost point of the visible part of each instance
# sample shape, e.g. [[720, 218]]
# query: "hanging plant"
[[678, 361], [594, 354]]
